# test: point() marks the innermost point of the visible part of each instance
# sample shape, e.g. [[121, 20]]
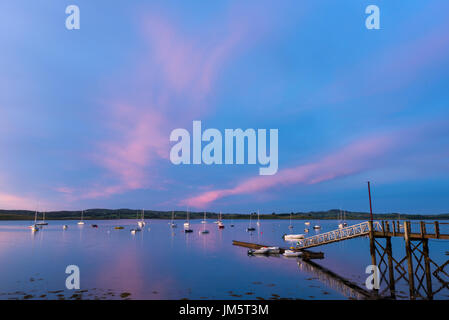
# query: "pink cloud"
[[10, 201], [171, 81], [354, 158]]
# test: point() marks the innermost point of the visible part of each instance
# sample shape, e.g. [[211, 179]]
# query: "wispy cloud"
[[356, 157], [169, 84], [371, 152]]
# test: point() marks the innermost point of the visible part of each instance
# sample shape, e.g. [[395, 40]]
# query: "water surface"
[[165, 263]]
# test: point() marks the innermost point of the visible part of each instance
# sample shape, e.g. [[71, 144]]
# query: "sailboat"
[[43, 223], [82, 214], [290, 225], [172, 223], [250, 228], [187, 224], [345, 224], [340, 217], [258, 218], [307, 223], [34, 227], [204, 231], [220, 223], [142, 223]]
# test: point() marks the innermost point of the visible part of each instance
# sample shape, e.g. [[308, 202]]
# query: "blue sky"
[[86, 114]]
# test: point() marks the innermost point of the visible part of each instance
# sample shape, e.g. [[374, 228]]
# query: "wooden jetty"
[[424, 276], [416, 268]]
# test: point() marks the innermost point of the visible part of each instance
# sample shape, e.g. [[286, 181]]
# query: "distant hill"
[[104, 214]]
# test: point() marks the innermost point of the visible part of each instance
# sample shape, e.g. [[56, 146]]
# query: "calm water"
[[165, 263]]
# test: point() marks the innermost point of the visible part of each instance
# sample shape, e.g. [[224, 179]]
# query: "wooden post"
[[389, 250], [394, 228], [422, 226], [372, 246], [437, 229], [408, 252], [398, 226], [425, 247]]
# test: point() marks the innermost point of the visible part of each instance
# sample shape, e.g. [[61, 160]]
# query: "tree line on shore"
[[106, 214]]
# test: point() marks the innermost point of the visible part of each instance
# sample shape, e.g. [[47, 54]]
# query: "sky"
[[86, 115]]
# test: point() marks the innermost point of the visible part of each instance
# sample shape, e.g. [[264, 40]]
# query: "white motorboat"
[[263, 250], [293, 236], [306, 230], [274, 250], [65, 227], [307, 223], [291, 253], [317, 227]]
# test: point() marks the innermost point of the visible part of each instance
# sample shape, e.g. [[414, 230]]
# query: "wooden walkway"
[[379, 229]]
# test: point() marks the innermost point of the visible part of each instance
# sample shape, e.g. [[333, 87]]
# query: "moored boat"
[[81, 222], [293, 236], [263, 250], [291, 253]]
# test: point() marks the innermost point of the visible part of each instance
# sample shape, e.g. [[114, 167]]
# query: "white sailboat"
[[258, 218], [34, 227], [81, 221], [142, 223], [340, 217], [43, 223], [220, 223], [345, 224], [172, 222], [204, 231], [250, 228], [290, 225], [187, 224]]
